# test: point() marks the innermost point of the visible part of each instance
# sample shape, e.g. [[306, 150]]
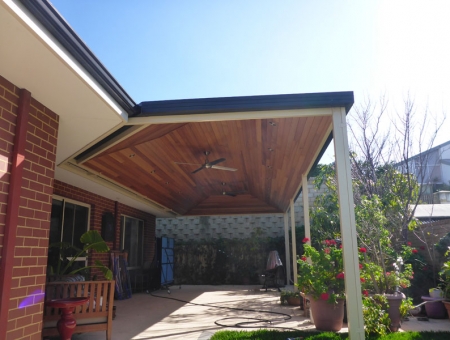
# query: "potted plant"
[[68, 254], [292, 298], [321, 278], [445, 282]]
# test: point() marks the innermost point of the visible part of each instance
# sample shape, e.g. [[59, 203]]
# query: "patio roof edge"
[[50, 18], [246, 103]]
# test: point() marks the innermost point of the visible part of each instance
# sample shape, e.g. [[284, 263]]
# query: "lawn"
[[277, 335]]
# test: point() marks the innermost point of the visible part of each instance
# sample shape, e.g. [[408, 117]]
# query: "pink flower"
[[305, 240], [425, 268], [340, 276], [362, 279], [327, 250], [388, 273], [409, 244], [332, 242], [360, 266], [365, 292], [340, 246], [303, 258], [362, 250], [403, 285], [415, 251], [324, 296]]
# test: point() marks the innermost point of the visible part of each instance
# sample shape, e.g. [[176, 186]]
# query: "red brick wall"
[[30, 253], [100, 205]]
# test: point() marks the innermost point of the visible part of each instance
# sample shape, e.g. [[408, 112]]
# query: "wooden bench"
[[94, 316]]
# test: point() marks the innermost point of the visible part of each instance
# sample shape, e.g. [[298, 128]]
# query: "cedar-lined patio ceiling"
[[271, 141]]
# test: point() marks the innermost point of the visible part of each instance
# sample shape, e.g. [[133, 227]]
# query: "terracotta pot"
[[327, 317], [434, 307], [293, 301], [394, 302], [447, 306]]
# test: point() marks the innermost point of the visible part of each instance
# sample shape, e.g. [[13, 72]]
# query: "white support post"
[[294, 243], [287, 250], [348, 226], [306, 207]]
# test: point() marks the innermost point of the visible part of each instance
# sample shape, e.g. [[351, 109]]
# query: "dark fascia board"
[[248, 103], [49, 17]]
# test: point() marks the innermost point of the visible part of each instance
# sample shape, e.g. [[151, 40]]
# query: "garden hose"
[[243, 324]]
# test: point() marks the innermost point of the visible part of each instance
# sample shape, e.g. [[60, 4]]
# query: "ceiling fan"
[[232, 193], [210, 165]]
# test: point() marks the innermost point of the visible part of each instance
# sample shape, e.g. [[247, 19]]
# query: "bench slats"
[[99, 306]]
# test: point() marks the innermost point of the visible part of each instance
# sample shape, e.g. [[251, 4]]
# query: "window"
[[69, 220], [132, 240]]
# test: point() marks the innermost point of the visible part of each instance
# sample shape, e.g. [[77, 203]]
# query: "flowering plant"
[[321, 272], [386, 273]]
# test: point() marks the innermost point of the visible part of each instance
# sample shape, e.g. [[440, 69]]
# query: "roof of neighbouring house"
[[434, 211]]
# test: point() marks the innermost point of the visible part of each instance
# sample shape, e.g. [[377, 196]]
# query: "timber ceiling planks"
[[270, 155]]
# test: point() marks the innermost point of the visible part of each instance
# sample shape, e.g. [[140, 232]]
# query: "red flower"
[[363, 250], [409, 244], [305, 240], [327, 250], [362, 279], [403, 285], [324, 296], [415, 251], [360, 266], [340, 246], [303, 258], [365, 292], [422, 248], [340, 276]]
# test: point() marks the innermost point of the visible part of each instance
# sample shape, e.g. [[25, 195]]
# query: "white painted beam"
[[287, 250], [226, 116], [348, 226], [294, 243]]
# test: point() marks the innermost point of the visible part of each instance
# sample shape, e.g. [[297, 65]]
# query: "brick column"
[[25, 207]]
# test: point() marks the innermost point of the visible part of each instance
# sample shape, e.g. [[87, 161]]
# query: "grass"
[[304, 335]]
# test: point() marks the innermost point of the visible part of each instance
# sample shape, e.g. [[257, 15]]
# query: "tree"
[[386, 191]]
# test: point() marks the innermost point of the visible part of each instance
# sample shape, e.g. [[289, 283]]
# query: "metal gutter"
[[49, 17]]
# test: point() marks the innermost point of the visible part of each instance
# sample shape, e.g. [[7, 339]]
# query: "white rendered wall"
[[239, 226]]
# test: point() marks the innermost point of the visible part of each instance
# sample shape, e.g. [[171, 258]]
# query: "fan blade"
[[201, 168], [187, 163], [217, 161], [223, 168]]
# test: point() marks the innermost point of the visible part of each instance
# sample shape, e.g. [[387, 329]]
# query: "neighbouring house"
[[432, 169], [77, 153]]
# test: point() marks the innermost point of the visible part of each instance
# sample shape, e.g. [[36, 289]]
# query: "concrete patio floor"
[[148, 317]]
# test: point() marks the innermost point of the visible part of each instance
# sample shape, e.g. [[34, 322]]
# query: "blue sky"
[[195, 49]]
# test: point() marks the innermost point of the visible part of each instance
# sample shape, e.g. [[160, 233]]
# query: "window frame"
[[141, 223], [88, 227]]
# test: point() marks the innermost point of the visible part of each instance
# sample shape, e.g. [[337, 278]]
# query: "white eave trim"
[[228, 116], [36, 27]]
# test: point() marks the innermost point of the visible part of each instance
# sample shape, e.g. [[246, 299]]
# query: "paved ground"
[[148, 317]]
